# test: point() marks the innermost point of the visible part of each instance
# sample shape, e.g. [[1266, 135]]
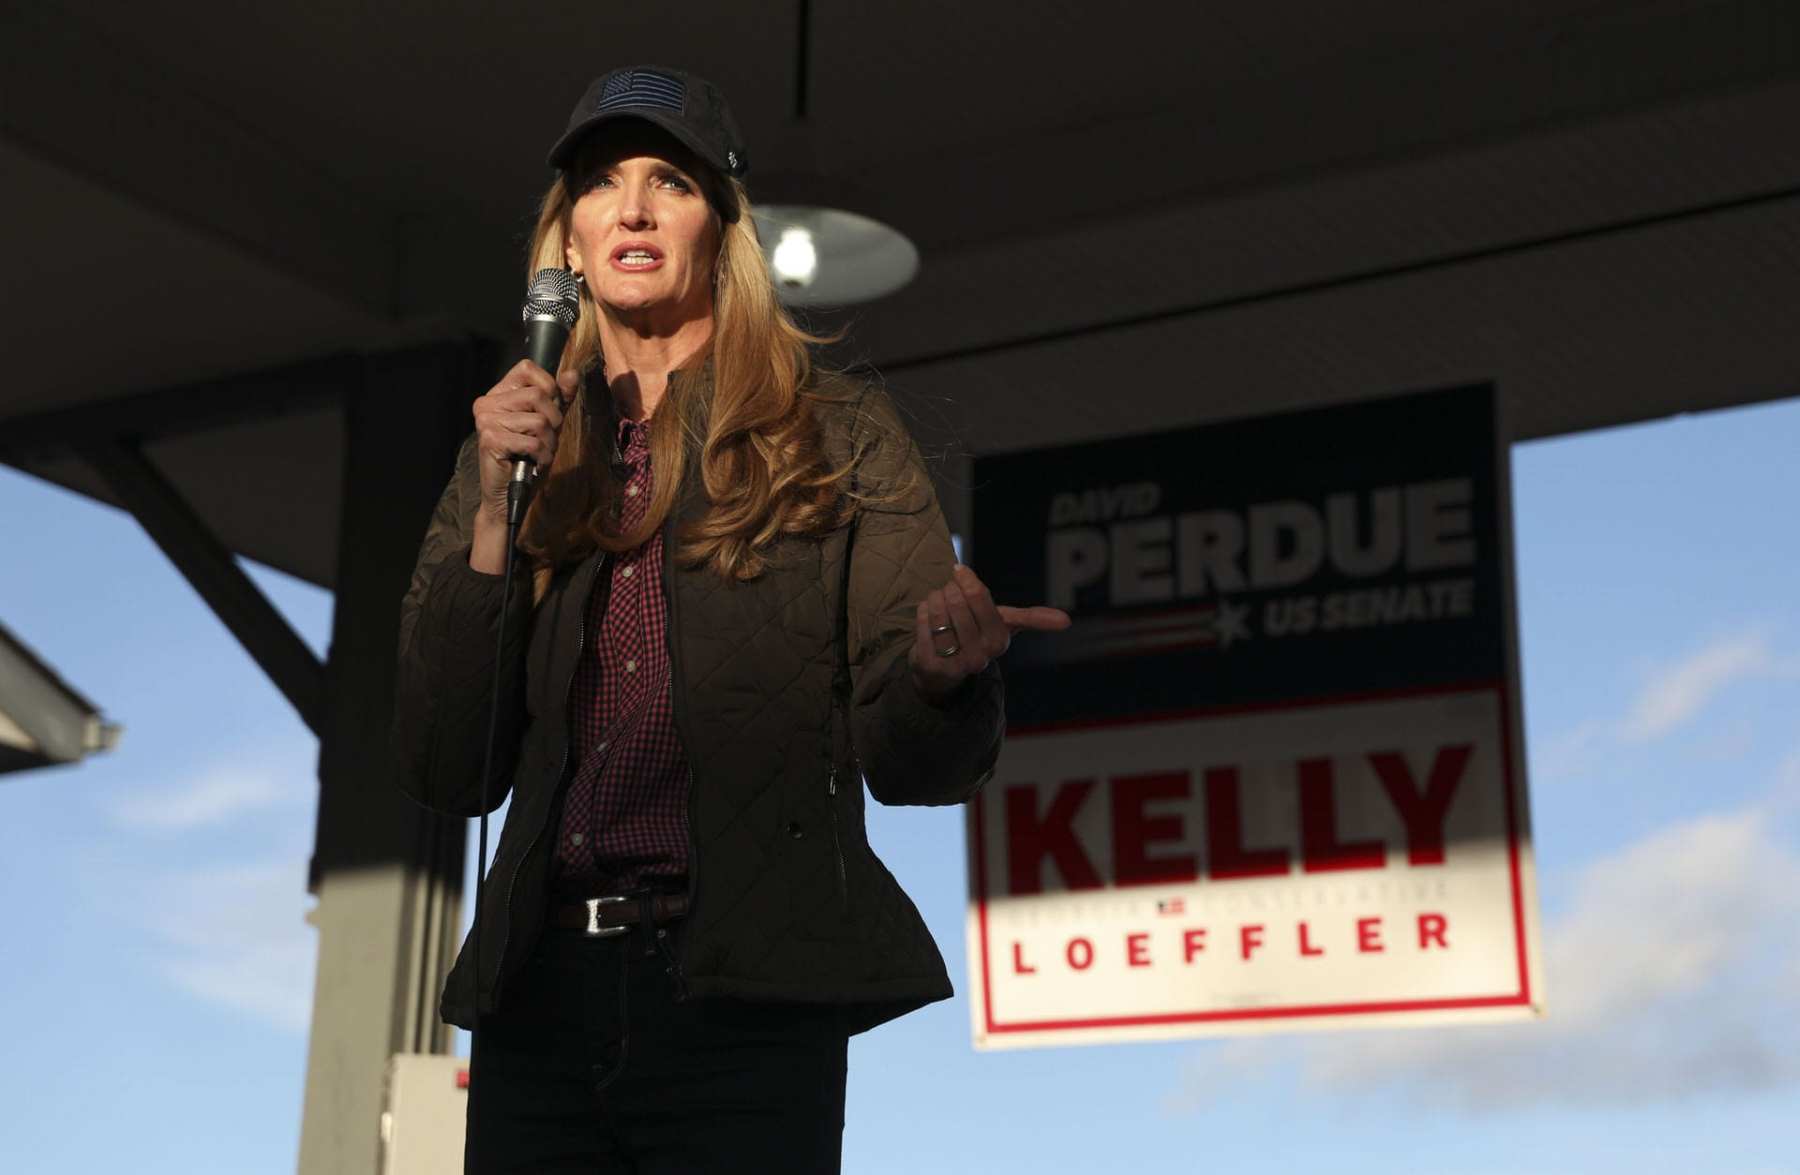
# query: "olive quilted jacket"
[[785, 690]]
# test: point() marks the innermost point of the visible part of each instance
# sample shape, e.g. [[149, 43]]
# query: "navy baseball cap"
[[688, 107]]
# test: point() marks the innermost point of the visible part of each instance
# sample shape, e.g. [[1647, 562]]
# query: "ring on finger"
[[952, 651], [942, 629]]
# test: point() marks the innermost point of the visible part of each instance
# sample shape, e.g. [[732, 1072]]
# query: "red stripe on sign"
[[979, 849], [1288, 1013], [1520, 998], [1512, 846]]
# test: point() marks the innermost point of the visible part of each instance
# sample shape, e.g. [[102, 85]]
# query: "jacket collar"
[[595, 392]]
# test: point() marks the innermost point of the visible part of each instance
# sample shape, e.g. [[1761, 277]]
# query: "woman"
[[737, 599]]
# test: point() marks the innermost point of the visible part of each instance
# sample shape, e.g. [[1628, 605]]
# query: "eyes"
[[672, 180]]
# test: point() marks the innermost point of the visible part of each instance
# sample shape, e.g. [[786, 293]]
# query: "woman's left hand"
[[961, 619]]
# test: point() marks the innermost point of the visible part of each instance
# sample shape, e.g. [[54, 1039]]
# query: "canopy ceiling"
[[1129, 218]]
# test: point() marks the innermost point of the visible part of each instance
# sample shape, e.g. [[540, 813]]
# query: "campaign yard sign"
[[1273, 775]]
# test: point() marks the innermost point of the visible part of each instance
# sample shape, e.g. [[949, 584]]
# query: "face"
[[642, 233]]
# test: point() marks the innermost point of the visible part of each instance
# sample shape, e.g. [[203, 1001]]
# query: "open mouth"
[[637, 255]]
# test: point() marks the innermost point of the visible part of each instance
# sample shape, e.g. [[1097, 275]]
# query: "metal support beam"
[[1313, 286], [183, 409], [43, 721], [388, 874], [210, 568]]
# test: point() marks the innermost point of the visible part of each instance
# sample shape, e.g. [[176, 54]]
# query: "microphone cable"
[[517, 492], [552, 305]]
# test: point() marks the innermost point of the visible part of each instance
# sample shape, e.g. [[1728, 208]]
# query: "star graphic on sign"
[[1229, 624]]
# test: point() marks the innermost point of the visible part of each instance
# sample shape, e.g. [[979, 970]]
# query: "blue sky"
[[159, 971]]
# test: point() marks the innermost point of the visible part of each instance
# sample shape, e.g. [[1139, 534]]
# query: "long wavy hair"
[[762, 462]]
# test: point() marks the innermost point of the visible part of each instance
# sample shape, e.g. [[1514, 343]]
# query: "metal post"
[[387, 874]]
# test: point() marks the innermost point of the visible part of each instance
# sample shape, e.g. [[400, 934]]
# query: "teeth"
[[636, 257]]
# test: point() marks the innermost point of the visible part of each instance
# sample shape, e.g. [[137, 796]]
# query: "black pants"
[[592, 1065]]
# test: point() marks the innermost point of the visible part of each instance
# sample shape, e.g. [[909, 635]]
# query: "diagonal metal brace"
[[206, 563]]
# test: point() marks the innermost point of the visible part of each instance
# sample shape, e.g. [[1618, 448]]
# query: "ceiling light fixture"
[[794, 259], [829, 257]]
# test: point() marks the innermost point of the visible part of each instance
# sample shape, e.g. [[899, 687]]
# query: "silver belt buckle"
[[594, 929]]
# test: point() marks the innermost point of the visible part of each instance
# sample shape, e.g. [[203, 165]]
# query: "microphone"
[[552, 304]]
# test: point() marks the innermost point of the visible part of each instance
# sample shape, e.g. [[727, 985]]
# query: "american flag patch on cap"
[[640, 88]]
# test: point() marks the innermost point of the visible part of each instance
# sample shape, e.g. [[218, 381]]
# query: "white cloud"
[[1570, 753], [1662, 916], [213, 797], [230, 934], [1681, 690], [1670, 976], [1673, 695], [1220, 1068], [272, 982], [235, 936], [1785, 797]]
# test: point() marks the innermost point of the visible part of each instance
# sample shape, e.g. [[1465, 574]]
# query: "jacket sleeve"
[[449, 627], [911, 751]]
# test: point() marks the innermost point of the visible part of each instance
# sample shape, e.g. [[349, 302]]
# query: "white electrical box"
[[427, 1110]]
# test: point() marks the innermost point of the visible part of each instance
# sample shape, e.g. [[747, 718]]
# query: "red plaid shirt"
[[624, 818]]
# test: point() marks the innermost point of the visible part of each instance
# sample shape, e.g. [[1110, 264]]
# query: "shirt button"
[[631, 491], [576, 838], [631, 666], [626, 572]]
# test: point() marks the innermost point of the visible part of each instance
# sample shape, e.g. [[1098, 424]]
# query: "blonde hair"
[[762, 462]]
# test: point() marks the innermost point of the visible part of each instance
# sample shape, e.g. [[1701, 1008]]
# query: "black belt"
[[616, 914]]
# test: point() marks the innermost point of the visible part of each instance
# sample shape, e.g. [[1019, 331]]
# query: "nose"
[[634, 209]]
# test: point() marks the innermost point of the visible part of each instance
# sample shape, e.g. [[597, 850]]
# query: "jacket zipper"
[[512, 883], [677, 695], [837, 844], [841, 682]]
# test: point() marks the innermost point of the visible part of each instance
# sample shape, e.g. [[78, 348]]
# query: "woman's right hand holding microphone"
[[518, 417]]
